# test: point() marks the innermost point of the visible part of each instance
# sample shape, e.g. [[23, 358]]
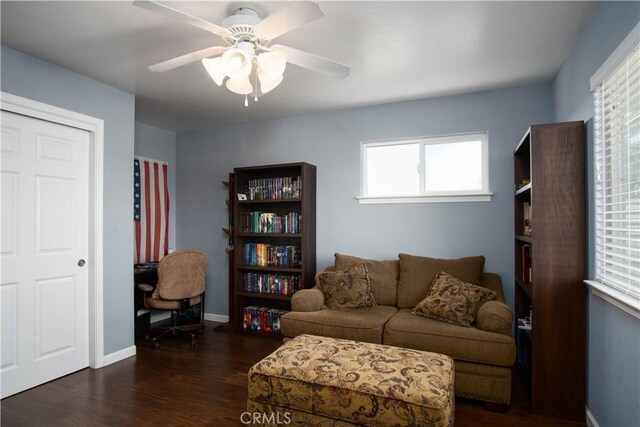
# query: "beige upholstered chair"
[[181, 281]]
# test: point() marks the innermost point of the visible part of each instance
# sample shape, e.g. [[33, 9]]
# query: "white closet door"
[[44, 288]]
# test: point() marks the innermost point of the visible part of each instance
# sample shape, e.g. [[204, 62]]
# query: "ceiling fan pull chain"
[[255, 86]]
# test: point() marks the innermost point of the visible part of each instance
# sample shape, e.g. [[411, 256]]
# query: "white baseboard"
[[591, 420], [216, 317], [118, 355]]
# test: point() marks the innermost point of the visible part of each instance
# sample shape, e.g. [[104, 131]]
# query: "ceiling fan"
[[249, 63]]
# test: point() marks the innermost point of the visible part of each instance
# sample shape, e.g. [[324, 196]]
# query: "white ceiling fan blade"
[[170, 12], [314, 62], [179, 61], [291, 17]]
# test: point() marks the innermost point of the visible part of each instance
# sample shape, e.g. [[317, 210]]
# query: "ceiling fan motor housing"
[[241, 24]]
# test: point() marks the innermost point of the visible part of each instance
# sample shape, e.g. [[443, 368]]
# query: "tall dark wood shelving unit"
[[551, 355], [228, 231], [306, 238]]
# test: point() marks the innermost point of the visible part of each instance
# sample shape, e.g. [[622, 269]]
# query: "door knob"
[[81, 263]]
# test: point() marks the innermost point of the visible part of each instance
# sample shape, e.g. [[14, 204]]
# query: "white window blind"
[[617, 173]]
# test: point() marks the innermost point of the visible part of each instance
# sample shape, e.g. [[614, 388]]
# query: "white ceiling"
[[397, 51]]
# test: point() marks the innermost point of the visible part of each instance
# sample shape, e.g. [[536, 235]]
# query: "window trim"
[[615, 297], [483, 195], [623, 49], [598, 287]]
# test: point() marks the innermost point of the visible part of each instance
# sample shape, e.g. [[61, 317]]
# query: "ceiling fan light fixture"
[[272, 63], [237, 62], [240, 86], [267, 84], [215, 69]]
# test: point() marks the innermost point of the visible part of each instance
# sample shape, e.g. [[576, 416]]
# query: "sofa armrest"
[[307, 300], [495, 316]]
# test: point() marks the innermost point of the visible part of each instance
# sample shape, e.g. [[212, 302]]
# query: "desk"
[[142, 273]]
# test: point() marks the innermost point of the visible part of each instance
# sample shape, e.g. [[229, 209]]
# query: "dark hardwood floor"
[[180, 386]]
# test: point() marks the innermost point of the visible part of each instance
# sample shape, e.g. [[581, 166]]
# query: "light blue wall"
[[160, 144], [331, 141], [32, 78], [613, 365]]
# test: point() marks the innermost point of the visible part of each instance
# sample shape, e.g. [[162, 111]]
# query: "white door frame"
[[95, 127]]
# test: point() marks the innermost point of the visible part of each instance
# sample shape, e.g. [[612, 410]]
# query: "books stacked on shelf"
[[274, 188], [264, 255], [282, 284], [262, 319], [526, 263], [268, 222]]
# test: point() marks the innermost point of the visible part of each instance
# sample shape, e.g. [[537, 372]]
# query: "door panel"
[[45, 208]]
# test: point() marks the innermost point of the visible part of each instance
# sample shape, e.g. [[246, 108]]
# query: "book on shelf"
[[269, 222], [274, 188], [262, 319], [526, 231], [265, 255], [272, 283], [524, 324], [527, 263]]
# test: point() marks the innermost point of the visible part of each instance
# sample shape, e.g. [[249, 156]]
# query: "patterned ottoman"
[[321, 381]]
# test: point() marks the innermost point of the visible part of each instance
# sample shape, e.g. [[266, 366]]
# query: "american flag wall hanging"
[[150, 210]]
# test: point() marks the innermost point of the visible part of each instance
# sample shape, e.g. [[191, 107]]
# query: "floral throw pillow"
[[453, 301], [346, 289]]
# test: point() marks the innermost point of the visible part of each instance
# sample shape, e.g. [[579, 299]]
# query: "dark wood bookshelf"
[[549, 168], [267, 201], [524, 286], [270, 268], [305, 206], [525, 239], [264, 295], [526, 188], [270, 234]]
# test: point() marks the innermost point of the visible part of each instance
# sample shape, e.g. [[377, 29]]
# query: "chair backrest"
[[181, 274]]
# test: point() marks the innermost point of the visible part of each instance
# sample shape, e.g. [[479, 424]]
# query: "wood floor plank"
[[180, 386]]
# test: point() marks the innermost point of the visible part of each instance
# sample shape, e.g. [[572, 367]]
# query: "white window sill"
[[475, 197], [612, 296]]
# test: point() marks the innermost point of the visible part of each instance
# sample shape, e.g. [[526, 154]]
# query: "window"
[[435, 169], [616, 89]]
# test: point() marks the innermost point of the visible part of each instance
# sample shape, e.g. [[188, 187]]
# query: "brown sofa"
[[483, 354]]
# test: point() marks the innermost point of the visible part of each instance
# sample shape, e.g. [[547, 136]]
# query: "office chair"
[[180, 287]]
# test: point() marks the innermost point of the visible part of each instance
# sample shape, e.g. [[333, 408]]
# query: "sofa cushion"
[[417, 274], [383, 276], [346, 289], [452, 300], [358, 324], [468, 344]]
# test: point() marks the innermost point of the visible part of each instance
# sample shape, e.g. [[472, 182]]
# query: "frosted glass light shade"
[[272, 64], [241, 87], [267, 84], [215, 69], [236, 63]]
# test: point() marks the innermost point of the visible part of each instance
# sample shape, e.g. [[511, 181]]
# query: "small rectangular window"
[[434, 169]]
